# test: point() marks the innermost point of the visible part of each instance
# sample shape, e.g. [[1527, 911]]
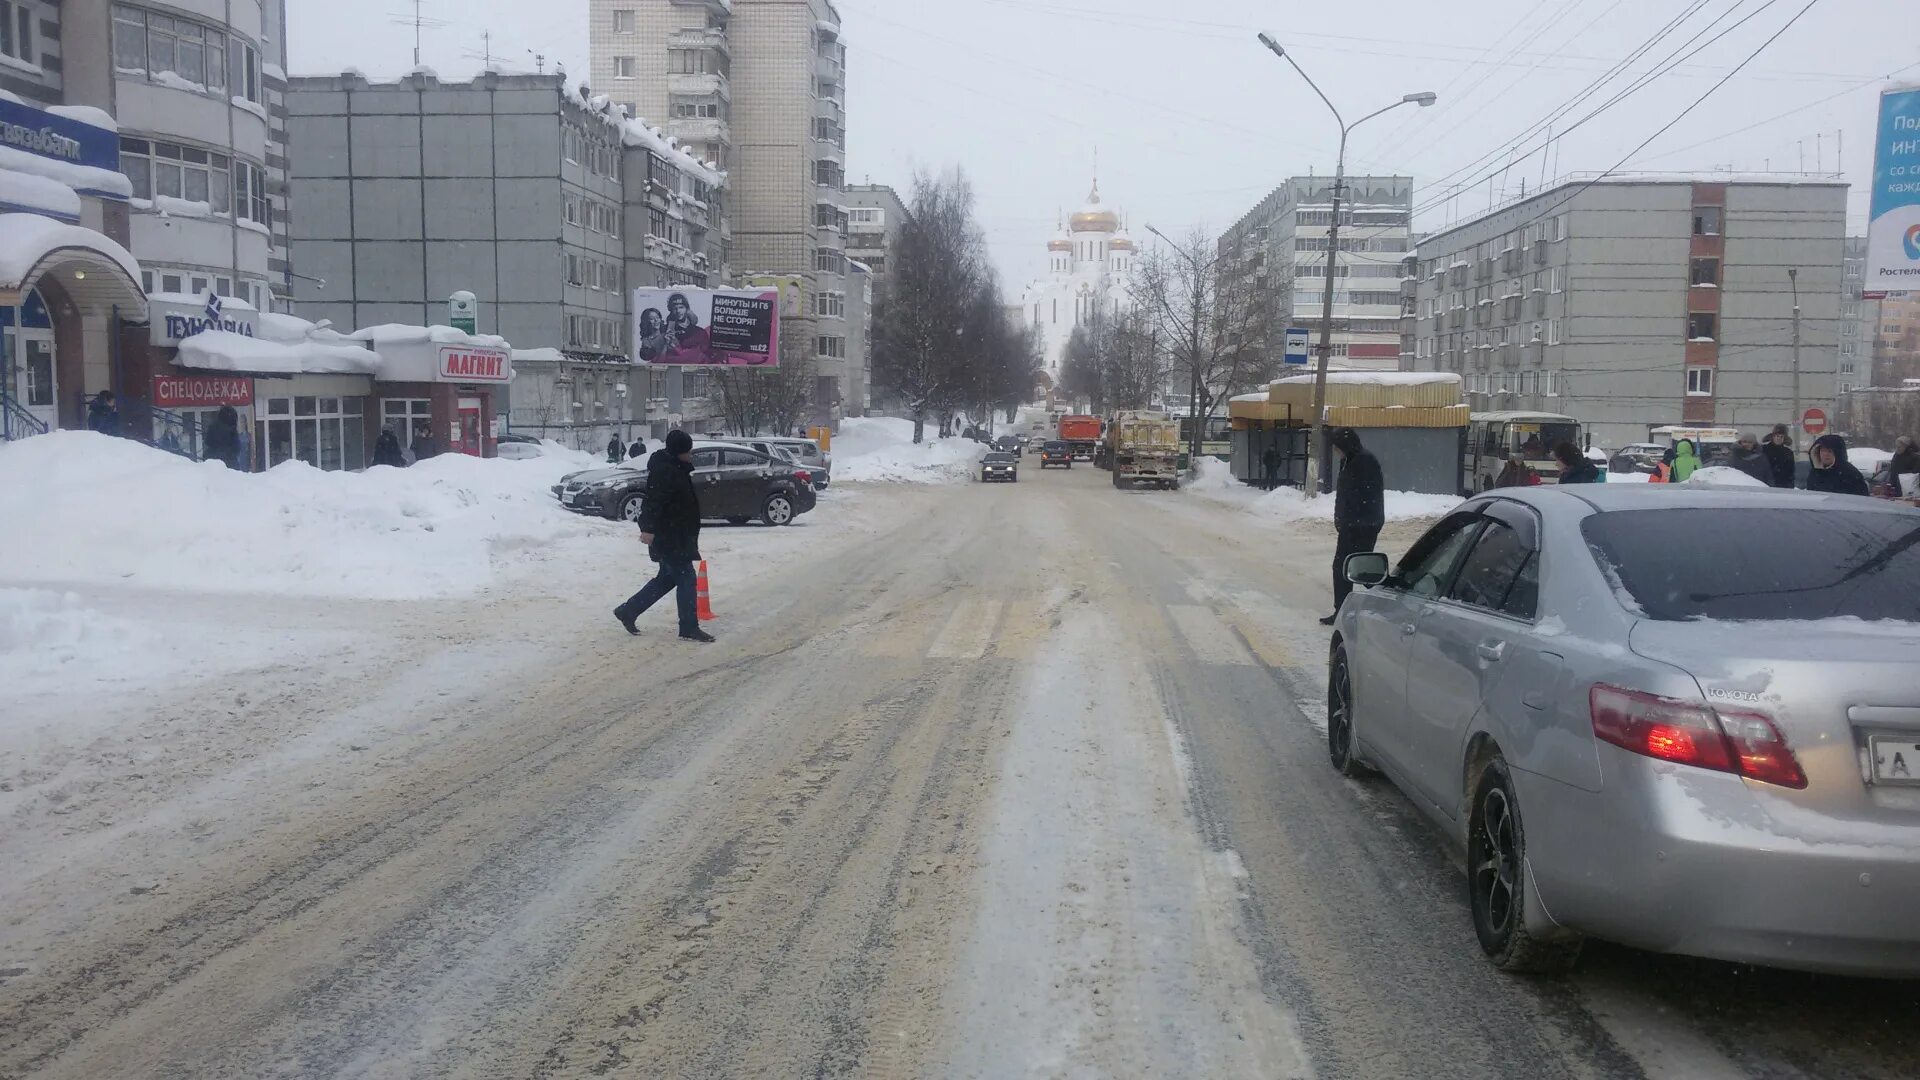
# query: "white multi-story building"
[[1089, 276], [202, 138]]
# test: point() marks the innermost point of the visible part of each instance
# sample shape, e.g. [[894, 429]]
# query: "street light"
[[1193, 357], [1422, 99]]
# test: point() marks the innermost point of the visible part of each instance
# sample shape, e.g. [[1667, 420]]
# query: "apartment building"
[[1859, 320], [875, 214], [549, 206], [759, 87], [1633, 302], [1281, 246]]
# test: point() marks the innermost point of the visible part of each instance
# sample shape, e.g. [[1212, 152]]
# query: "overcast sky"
[[1193, 122]]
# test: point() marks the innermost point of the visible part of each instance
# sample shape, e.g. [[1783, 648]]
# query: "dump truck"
[[1144, 448], [1081, 434]]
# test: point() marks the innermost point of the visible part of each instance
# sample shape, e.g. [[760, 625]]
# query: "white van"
[[804, 452]]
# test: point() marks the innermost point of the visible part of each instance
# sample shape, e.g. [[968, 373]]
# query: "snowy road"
[[979, 782]]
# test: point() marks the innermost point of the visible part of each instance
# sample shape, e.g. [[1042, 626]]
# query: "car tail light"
[[1690, 733], [803, 476]]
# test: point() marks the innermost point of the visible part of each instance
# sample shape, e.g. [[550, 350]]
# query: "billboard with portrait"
[[706, 327]]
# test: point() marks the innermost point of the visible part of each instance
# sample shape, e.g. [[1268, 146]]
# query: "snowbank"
[[881, 449], [1370, 378], [79, 508], [1213, 480], [1721, 476]]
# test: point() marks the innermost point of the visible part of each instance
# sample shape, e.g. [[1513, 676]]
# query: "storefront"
[[185, 401], [438, 387]]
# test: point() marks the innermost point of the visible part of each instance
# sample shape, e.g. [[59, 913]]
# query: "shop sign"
[[174, 323], [474, 363], [201, 391], [58, 138]]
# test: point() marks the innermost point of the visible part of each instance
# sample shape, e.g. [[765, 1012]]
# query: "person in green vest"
[[1685, 460]]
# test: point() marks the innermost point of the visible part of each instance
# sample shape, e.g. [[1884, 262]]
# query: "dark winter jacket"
[[1754, 463], [386, 450], [615, 454], [1843, 478], [672, 509], [222, 440], [1581, 472], [103, 416], [1359, 499], [1905, 462], [638, 448], [1780, 461]]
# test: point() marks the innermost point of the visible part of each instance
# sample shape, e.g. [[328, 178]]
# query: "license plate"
[[1896, 759]]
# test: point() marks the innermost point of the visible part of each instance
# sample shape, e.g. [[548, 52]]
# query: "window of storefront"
[[409, 418], [325, 432]]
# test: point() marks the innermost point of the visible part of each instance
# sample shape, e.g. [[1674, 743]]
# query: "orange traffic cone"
[[705, 609]]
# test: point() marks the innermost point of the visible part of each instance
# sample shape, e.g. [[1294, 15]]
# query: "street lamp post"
[[1325, 350], [1795, 423], [1193, 357]]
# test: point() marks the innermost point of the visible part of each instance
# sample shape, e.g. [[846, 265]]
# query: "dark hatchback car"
[[1000, 466], [1056, 452], [736, 484]]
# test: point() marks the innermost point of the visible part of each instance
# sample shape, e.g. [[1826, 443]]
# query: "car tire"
[[1497, 883], [630, 507], [1340, 730], [778, 509]]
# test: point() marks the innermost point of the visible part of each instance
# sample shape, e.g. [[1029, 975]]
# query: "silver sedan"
[[1682, 720]]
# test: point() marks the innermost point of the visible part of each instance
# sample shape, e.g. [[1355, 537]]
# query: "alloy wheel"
[[779, 510], [1495, 861], [630, 510]]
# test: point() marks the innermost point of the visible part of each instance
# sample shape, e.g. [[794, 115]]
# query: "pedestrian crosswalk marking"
[[1208, 636], [969, 631]]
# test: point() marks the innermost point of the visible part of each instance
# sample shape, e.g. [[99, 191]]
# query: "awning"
[[98, 276]]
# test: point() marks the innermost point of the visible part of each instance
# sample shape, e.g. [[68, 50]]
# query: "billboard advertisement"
[[1893, 214], [707, 327]]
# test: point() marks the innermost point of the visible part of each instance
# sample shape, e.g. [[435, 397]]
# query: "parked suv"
[[736, 484], [805, 453]]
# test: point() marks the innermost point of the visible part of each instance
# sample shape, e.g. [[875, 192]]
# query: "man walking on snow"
[[1359, 509], [670, 527]]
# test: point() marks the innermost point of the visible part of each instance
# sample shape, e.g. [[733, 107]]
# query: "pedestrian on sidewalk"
[[615, 452], [1574, 466], [103, 415], [1359, 509], [386, 449], [1779, 451], [1516, 473], [1832, 472], [222, 439], [1750, 459], [1270, 466], [638, 449], [670, 527]]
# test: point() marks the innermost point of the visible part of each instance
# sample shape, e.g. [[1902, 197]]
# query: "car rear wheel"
[[1340, 743], [1497, 883], [630, 507], [778, 510]]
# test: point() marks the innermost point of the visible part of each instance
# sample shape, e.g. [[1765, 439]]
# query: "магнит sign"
[[471, 363]]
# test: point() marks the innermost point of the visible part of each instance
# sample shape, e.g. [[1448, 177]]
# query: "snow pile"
[[41, 630], [1721, 476], [81, 508], [25, 191], [223, 350], [1211, 475], [881, 449], [1289, 504]]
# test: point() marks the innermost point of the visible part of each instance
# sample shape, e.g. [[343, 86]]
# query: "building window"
[[179, 53], [623, 20], [1705, 272], [177, 172], [829, 261], [1553, 331], [830, 304], [16, 33], [1702, 326], [1699, 382], [250, 194], [623, 67], [325, 432], [831, 347], [1706, 221]]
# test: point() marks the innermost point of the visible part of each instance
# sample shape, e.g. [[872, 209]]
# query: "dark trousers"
[[675, 576], [1354, 539]]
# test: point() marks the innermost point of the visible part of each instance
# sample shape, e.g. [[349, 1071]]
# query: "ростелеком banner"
[[1893, 215]]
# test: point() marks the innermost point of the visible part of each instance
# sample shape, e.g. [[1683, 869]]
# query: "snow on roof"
[[1374, 378], [402, 334], [86, 114], [544, 355], [220, 350], [1260, 396], [37, 194], [85, 179], [637, 132], [27, 239]]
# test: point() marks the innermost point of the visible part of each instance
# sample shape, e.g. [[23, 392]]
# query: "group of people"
[[1772, 463], [616, 453]]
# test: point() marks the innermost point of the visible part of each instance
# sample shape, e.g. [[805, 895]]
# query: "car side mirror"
[[1368, 568]]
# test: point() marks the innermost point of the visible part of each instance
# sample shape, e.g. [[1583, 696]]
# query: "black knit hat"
[[678, 442]]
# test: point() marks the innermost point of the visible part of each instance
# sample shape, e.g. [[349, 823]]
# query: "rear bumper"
[[1655, 862]]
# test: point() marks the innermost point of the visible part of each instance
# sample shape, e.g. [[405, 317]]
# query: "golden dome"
[[1121, 243], [1094, 218], [1059, 243]]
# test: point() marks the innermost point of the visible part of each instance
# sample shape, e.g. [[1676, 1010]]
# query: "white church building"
[[1089, 276]]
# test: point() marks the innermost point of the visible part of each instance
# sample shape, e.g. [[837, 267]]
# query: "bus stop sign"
[[1296, 345]]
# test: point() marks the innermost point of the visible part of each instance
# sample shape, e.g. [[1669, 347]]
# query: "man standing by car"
[[1831, 470], [670, 527], [1359, 509], [1779, 451], [615, 453]]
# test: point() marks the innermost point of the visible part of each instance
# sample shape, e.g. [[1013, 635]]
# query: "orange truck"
[[1081, 434]]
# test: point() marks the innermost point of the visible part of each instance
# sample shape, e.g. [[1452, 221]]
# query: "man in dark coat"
[[1831, 470], [386, 450], [638, 449], [222, 439], [1270, 468], [103, 415], [615, 452], [1574, 466], [1779, 451], [1359, 509], [670, 527], [1750, 459]]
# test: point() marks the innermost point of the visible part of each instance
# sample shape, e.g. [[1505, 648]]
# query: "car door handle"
[[1492, 650]]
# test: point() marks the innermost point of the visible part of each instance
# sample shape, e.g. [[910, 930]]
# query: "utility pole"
[[1793, 278], [1423, 100]]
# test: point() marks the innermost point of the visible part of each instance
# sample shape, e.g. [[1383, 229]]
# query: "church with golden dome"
[[1089, 276]]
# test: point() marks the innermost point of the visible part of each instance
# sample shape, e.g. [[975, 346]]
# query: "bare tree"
[[1217, 326], [1133, 364]]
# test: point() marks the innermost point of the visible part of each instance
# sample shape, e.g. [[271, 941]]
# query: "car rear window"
[[1763, 564], [1056, 445], [1000, 457]]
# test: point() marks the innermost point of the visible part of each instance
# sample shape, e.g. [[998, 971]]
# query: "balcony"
[[830, 150], [705, 84], [692, 129], [700, 39], [826, 69]]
